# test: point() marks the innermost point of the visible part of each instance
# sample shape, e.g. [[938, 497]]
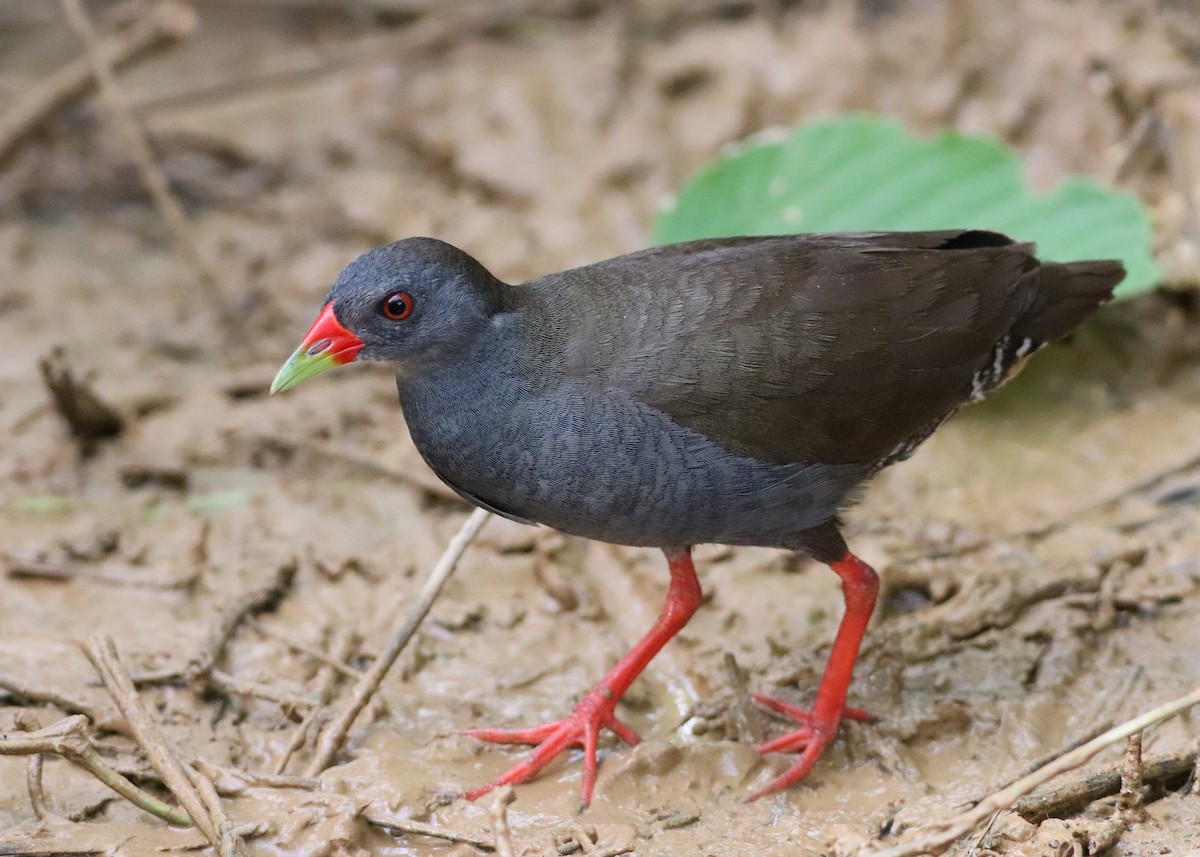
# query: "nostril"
[[318, 347]]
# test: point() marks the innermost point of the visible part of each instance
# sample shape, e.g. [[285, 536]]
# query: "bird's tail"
[[1069, 293]]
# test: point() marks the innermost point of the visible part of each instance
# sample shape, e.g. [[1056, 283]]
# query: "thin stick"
[[102, 720], [201, 664], [33, 773], [329, 660], [936, 837], [1082, 787], [151, 173], [67, 738], [248, 778], [233, 686], [1132, 775], [115, 575], [102, 652], [343, 647], [379, 818], [499, 812], [745, 716], [333, 736], [166, 22], [33, 781], [227, 844], [54, 847]]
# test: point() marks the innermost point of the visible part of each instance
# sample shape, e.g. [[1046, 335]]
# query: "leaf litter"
[[1045, 595]]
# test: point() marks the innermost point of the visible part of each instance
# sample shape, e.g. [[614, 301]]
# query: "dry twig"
[[165, 22], [219, 773], [25, 692], [1082, 787], [67, 738], [53, 847], [233, 686], [343, 647], [151, 173], [936, 837], [330, 660], [102, 652], [746, 719], [389, 822], [335, 733], [106, 573], [201, 664], [33, 774], [1132, 776], [89, 418], [499, 812], [227, 837]]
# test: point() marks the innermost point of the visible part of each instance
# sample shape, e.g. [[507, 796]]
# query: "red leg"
[[860, 585], [595, 711]]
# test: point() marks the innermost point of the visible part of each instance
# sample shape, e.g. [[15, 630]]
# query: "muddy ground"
[[1040, 555]]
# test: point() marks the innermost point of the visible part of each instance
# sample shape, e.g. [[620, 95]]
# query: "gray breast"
[[602, 465]]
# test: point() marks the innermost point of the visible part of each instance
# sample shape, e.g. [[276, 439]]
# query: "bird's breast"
[[602, 465]]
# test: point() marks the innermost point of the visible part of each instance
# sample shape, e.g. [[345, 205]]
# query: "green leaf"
[[861, 173]]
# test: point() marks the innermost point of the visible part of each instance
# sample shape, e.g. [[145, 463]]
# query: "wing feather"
[[831, 348]]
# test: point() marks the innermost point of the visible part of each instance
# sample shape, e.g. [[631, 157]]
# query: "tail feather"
[[1069, 292]]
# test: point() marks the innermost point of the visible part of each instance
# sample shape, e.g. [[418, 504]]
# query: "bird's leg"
[[595, 710], [818, 726]]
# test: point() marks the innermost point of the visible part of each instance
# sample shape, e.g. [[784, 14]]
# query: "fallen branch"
[[102, 720], [937, 837], [389, 822], [102, 652], [237, 610], [26, 722], [1083, 787], [52, 848], [227, 836], [165, 22], [343, 647], [89, 418], [334, 735], [746, 720], [153, 177], [499, 813], [18, 567], [67, 738], [234, 686], [330, 660]]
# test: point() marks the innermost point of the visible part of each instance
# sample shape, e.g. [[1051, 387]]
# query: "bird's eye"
[[397, 306]]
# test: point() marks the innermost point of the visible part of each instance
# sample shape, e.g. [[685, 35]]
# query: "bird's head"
[[411, 302]]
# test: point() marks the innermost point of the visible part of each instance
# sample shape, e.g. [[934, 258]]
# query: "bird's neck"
[[459, 398]]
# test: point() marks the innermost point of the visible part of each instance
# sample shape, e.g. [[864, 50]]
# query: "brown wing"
[[833, 348]]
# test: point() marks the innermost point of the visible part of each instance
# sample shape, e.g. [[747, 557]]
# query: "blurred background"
[[166, 237]]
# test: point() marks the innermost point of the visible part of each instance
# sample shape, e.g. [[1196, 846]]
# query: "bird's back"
[[834, 348]]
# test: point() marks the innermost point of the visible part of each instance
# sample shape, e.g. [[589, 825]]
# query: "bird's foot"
[[810, 740], [582, 726]]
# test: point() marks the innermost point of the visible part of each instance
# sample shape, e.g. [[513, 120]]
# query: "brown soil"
[[1020, 611]]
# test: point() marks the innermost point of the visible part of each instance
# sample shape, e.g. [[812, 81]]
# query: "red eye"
[[397, 306]]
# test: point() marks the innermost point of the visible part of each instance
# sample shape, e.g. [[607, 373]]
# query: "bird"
[[732, 391]]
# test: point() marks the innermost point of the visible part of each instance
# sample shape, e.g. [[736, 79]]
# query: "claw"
[[810, 740], [595, 711], [582, 726]]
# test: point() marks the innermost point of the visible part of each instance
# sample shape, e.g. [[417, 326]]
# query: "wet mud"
[[1040, 555]]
